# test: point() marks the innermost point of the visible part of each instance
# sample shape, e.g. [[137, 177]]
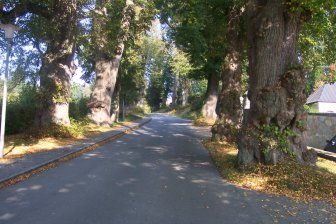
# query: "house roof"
[[326, 93]]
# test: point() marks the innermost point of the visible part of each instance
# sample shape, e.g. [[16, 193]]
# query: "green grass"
[[326, 165]]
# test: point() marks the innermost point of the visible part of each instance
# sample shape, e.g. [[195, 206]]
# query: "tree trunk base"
[[57, 114], [276, 123], [209, 108], [100, 116], [222, 131]]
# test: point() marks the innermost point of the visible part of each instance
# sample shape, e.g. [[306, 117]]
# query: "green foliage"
[[311, 109], [22, 105], [199, 29], [196, 102], [140, 110], [198, 92], [80, 96], [301, 124], [157, 69], [272, 138], [78, 108], [131, 74], [21, 109], [180, 63], [76, 129], [317, 40], [329, 77], [155, 90]]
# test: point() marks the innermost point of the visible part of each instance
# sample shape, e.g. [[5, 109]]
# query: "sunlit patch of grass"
[[130, 117], [195, 116], [183, 111], [50, 137], [296, 181], [326, 165], [203, 121]]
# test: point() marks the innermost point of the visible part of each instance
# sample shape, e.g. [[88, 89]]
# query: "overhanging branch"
[[22, 9]]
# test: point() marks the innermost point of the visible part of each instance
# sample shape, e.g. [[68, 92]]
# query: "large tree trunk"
[[209, 107], [57, 64], [175, 89], [142, 96], [229, 109], [107, 63], [186, 92], [276, 123], [115, 107]]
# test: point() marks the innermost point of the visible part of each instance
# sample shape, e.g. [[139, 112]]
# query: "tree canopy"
[[154, 52]]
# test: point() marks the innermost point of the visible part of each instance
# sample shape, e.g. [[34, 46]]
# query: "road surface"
[[159, 174]]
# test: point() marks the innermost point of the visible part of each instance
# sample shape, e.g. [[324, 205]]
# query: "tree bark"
[[229, 109], [107, 64], [209, 107], [186, 92], [115, 107], [276, 123], [57, 64], [142, 96], [175, 89]]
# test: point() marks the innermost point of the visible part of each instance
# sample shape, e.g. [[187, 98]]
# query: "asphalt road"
[[159, 174]]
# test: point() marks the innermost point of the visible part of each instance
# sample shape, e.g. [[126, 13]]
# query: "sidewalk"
[[29, 163]]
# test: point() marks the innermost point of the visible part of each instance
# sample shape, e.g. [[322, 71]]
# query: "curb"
[[24, 175], [324, 154]]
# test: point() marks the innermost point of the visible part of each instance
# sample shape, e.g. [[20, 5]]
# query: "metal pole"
[[4, 102]]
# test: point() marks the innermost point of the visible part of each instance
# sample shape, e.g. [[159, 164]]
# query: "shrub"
[[78, 108], [196, 102], [21, 109], [22, 105]]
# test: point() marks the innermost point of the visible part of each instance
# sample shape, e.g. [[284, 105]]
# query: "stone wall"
[[321, 126]]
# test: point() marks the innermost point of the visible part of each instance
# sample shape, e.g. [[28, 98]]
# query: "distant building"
[[323, 100]]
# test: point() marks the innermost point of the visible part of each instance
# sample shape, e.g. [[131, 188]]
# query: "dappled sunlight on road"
[[157, 149], [180, 124], [139, 176], [127, 164], [6, 216], [63, 190], [178, 135], [138, 166]]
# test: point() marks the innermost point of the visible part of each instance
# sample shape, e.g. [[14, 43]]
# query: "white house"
[[323, 100]]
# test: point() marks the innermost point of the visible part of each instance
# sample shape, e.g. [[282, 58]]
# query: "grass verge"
[[289, 179], [48, 138], [25, 175], [187, 113]]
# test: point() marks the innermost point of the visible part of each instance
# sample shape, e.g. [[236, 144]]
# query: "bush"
[[22, 105], [21, 109], [78, 108], [138, 110], [76, 129], [196, 102]]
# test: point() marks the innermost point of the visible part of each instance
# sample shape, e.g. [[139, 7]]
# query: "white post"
[[9, 34], [4, 102]]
